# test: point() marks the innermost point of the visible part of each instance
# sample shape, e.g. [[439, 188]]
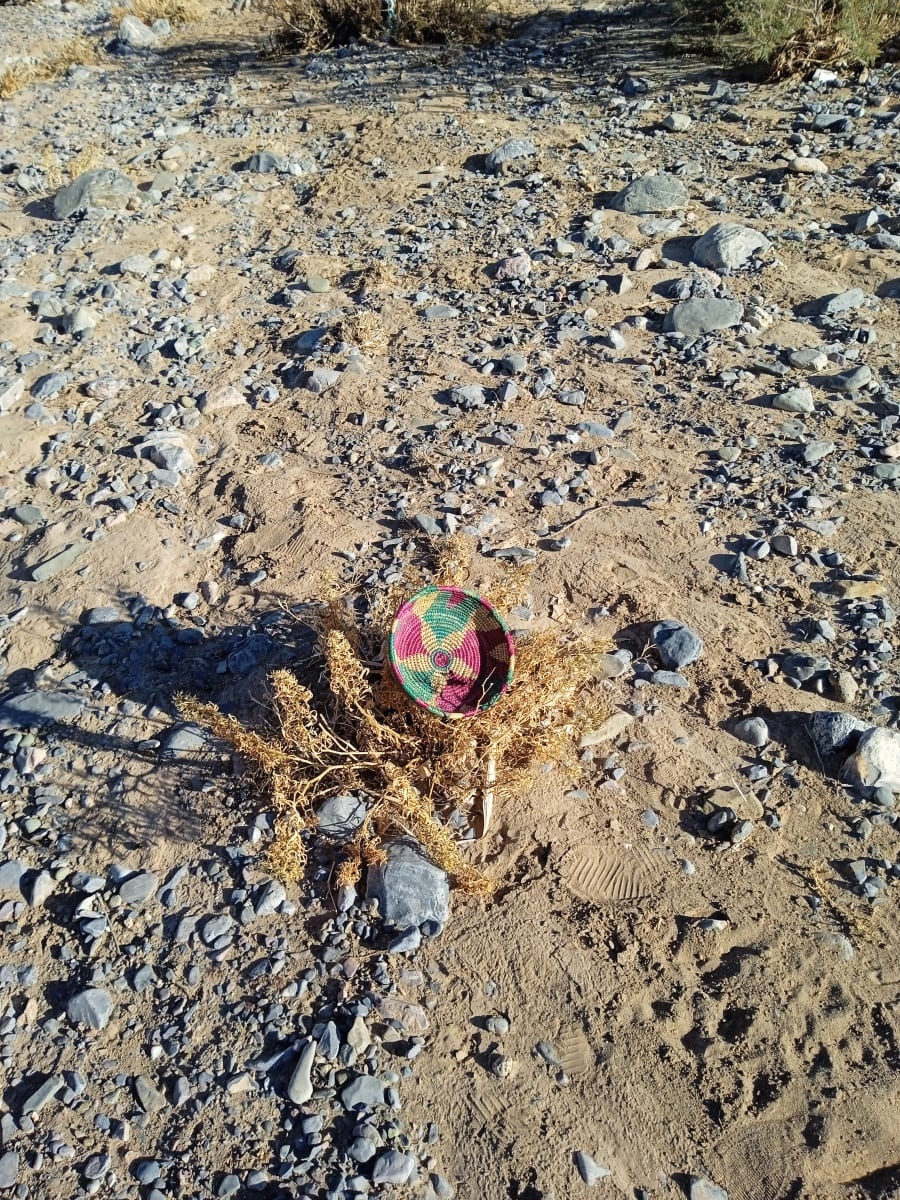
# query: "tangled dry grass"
[[789, 40], [176, 12], [76, 52], [363, 734], [318, 24]]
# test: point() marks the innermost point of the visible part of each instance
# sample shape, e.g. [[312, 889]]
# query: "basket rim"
[[502, 626]]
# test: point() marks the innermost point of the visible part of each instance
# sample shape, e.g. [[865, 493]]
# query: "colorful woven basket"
[[451, 651]]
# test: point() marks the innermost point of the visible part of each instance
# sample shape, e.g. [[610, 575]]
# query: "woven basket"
[[451, 651]]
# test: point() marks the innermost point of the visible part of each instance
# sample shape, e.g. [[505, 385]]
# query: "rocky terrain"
[[267, 322]]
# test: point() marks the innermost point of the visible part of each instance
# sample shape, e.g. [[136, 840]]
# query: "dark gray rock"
[[365, 1091], [703, 314], [508, 151], [184, 741], [409, 889], [138, 887], [9, 1170], [103, 188], [92, 1007], [38, 708], [651, 194], [340, 816], [677, 645], [832, 731], [11, 873], [843, 302]]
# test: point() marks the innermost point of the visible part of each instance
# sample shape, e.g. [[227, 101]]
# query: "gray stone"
[[875, 762], [138, 887], [101, 188], [589, 1169], [803, 667], [340, 816], [703, 1189], [58, 562], [92, 1007], [365, 1091], [28, 514], [728, 246], [229, 1186], [469, 395], [814, 452], [809, 359], [140, 265], [50, 385], [133, 34], [508, 151], [9, 1170], [214, 928], [11, 394], [703, 314], [842, 302], [677, 645], [318, 284], [427, 524], [677, 122], [300, 1087], [651, 194], [440, 312], [38, 888], [795, 400], [42, 1095], [669, 679], [184, 741], [321, 379], [785, 544], [80, 320], [831, 731], [269, 898], [362, 1150], [409, 889], [38, 708], [887, 472], [752, 730], [11, 873], [851, 381], [393, 1167], [148, 1096], [265, 162]]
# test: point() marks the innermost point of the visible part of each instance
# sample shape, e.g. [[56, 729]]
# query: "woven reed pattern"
[[451, 651]]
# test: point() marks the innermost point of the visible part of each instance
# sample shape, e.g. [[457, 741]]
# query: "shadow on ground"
[[561, 48], [116, 716]]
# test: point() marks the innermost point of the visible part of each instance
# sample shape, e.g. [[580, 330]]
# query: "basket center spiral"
[[451, 651]]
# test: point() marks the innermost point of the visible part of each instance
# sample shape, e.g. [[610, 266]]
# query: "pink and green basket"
[[451, 651]]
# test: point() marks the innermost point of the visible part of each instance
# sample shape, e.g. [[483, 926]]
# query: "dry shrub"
[[364, 330], [789, 39], [363, 734], [317, 24], [76, 52], [176, 12]]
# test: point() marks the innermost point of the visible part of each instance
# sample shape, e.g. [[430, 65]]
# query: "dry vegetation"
[[317, 24], [77, 52], [789, 39], [362, 734], [176, 12]]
